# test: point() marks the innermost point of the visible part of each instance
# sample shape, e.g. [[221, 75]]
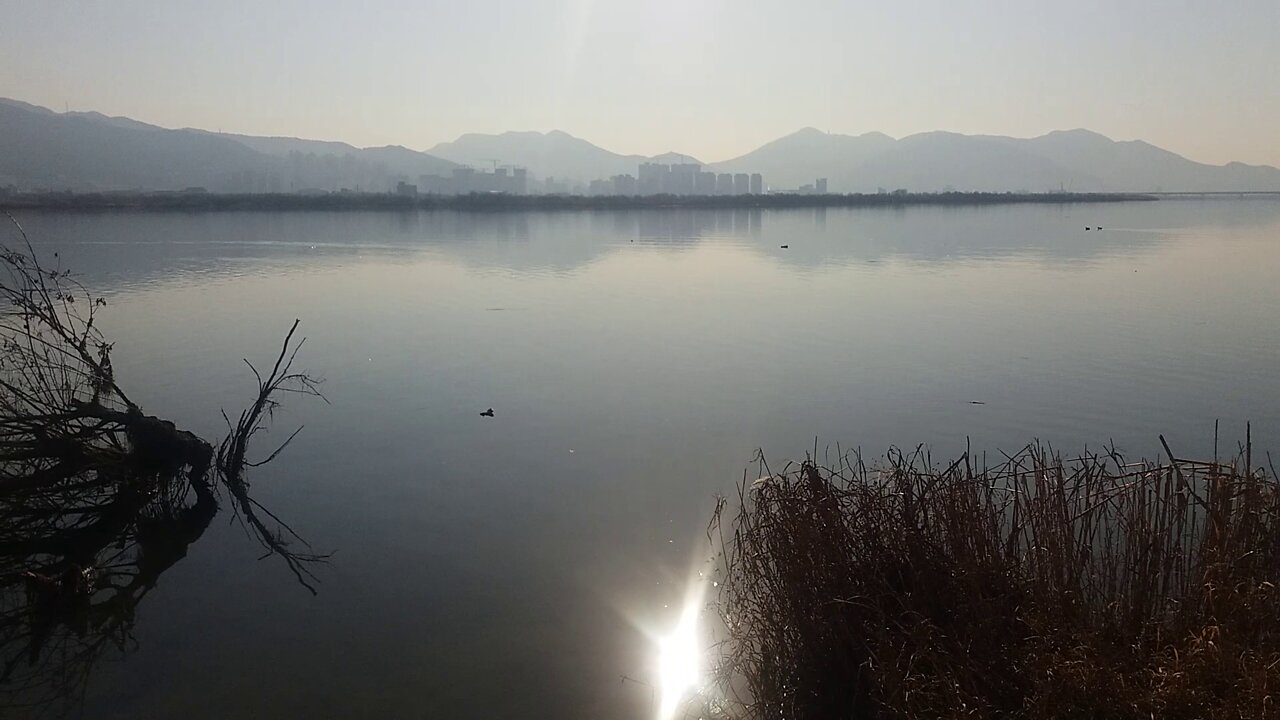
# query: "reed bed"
[[1036, 587]]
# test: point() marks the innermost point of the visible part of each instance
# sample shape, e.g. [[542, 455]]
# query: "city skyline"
[[41, 149], [718, 80]]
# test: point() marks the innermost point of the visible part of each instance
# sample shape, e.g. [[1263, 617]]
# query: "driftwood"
[[98, 498]]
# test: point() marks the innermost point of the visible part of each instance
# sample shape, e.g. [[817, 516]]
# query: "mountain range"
[[554, 154], [1070, 160], [82, 151]]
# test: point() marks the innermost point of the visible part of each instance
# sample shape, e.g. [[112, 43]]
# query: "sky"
[[710, 78]]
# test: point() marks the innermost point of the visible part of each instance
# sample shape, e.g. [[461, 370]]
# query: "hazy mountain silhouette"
[[40, 148], [939, 160], [552, 154], [799, 158], [83, 151], [555, 154], [1137, 165], [674, 158], [394, 159], [1075, 160]]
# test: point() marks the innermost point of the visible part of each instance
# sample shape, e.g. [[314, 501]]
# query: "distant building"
[[406, 189], [464, 180], [552, 186], [683, 178], [705, 183], [623, 184], [821, 186], [653, 178], [434, 185], [600, 187]]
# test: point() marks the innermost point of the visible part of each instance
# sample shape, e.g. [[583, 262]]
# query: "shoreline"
[[217, 202]]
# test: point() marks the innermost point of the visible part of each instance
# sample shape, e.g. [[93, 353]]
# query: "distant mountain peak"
[[26, 106], [554, 153], [1081, 133], [672, 157], [936, 134]]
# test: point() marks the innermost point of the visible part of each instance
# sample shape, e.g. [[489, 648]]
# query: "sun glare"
[[680, 661]]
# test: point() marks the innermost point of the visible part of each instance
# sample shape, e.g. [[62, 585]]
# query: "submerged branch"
[[97, 499], [232, 463]]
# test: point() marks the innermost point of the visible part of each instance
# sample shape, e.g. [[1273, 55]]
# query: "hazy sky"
[[712, 78]]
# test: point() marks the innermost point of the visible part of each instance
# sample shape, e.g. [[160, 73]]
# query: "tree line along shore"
[[204, 201]]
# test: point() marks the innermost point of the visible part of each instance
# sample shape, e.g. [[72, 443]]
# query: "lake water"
[[516, 566]]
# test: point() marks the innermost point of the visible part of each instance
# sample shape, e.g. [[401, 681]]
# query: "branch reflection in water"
[[97, 499]]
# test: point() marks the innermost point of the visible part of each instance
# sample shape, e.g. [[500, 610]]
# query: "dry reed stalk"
[[1036, 587]]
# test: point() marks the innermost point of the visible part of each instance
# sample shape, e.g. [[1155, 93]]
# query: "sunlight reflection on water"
[[638, 361]]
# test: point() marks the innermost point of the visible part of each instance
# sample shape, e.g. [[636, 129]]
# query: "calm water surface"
[[515, 566]]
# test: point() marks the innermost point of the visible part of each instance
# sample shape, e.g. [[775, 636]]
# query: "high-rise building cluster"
[[678, 179], [652, 178], [817, 187], [464, 180]]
